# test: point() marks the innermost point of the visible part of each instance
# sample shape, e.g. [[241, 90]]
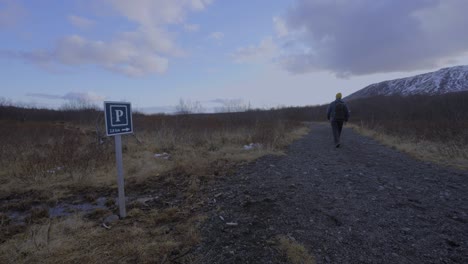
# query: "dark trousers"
[[337, 126]]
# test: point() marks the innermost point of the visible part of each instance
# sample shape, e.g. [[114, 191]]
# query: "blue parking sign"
[[118, 117]]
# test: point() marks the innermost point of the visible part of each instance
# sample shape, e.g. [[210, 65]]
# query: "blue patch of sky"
[[207, 63]]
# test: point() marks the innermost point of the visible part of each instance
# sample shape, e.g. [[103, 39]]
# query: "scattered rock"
[[452, 243], [111, 219], [144, 201], [339, 209]]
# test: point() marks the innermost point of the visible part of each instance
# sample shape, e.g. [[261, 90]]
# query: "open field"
[[58, 182], [39, 155], [58, 177]]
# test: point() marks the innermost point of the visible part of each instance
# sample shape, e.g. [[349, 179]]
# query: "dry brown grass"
[[200, 148], [449, 153], [45, 156], [294, 251], [143, 237]]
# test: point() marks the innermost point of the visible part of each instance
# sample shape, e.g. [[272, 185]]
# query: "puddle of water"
[[65, 209], [17, 216], [68, 208], [61, 209]]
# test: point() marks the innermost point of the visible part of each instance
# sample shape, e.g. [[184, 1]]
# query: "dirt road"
[[362, 203]]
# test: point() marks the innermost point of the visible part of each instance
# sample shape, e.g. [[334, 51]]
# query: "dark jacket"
[[331, 110]]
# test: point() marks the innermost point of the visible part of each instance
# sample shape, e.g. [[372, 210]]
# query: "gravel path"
[[362, 203]]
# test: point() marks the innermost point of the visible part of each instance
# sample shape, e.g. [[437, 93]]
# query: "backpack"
[[340, 111]]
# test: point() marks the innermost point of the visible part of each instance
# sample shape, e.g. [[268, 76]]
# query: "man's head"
[[338, 96]]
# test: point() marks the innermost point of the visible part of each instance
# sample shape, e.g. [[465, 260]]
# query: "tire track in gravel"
[[362, 203]]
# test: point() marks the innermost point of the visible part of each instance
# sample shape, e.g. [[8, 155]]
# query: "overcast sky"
[[269, 53]]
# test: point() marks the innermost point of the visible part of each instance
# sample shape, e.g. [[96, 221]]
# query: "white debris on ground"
[[109, 220], [252, 146], [144, 201], [54, 170], [163, 155]]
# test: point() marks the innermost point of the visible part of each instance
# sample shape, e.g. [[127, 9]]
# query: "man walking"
[[337, 113]]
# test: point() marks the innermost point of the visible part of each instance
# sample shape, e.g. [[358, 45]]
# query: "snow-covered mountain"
[[446, 80]]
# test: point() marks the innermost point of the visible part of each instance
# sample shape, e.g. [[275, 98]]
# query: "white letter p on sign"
[[118, 115]]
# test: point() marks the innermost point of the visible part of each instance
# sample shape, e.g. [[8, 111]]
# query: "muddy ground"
[[362, 203]]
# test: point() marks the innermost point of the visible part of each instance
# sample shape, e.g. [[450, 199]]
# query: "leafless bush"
[[189, 107], [35, 152], [62, 145], [435, 118], [232, 105]]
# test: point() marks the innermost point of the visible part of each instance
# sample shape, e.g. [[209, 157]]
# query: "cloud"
[[367, 36], [150, 13], [80, 22], [71, 96], [120, 55], [262, 52], [11, 13], [169, 109], [216, 35], [86, 97], [227, 101], [191, 27], [144, 50], [229, 105], [280, 27]]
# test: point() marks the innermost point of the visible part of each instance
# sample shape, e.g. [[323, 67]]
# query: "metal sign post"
[[120, 178], [118, 116]]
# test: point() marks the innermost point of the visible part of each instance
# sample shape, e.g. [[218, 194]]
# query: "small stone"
[[143, 201], [111, 219]]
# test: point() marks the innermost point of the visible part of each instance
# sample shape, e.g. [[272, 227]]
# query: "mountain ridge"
[[445, 80]]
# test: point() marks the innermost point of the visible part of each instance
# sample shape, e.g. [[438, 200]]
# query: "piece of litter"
[[232, 224], [252, 146], [145, 200], [163, 155], [221, 217], [54, 170], [105, 226]]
